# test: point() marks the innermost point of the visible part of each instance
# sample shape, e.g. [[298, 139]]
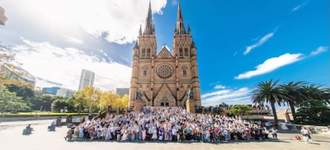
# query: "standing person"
[[144, 132], [195, 133], [108, 133], [81, 132], [184, 137], [266, 132], [174, 134], [226, 134], [306, 132], [188, 137], [274, 133], [181, 134], [113, 132], [118, 134], [154, 133], [199, 134], [91, 131], [160, 134], [133, 134]]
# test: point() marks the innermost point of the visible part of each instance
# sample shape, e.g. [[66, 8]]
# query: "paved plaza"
[[12, 139]]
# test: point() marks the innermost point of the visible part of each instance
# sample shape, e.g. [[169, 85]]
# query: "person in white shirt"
[[306, 132], [174, 134], [274, 133]]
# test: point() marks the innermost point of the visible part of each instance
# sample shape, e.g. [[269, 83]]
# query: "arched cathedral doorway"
[[164, 102]]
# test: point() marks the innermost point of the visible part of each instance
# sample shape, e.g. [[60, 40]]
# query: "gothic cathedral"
[[164, 79]]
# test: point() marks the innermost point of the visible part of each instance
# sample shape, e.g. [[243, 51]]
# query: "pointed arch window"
[[143, 53], [184, 70], [148, 53], [185, 51], [181, 52], [145, 71]]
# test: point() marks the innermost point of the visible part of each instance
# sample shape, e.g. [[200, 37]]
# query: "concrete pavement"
[[11, 138]]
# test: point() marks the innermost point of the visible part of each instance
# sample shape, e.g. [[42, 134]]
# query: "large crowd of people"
[[169, 124]]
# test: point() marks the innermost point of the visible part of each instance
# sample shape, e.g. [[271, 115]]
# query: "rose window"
[[164, 71]]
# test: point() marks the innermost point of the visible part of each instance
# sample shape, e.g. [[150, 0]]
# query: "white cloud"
[[319, 50], [271, 64], [299, 6], [117, 20], [219, 87], [235, 53], [64, 65], [228, 96], [296, 8], [73, 40], [174, 2], [259, 43]]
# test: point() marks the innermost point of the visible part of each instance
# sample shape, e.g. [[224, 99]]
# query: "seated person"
[[29, 127], [52, 125]]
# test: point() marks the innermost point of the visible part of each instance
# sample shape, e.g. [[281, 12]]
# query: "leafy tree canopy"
[[314, 112]]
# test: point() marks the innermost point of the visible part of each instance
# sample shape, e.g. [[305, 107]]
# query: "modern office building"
[[65, 92], [86, 78], [50, 90], [122, 91]]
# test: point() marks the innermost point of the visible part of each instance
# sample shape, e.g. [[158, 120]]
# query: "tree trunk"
[[79, 109], [293, 111], [274, 113]]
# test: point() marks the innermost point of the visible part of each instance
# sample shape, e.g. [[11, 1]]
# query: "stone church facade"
[[164, 78]]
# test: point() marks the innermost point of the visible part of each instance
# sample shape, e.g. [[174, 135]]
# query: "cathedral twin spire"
[[179, 28], [150, 27]]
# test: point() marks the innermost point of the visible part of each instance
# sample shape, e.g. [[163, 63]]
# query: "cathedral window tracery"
[[184, 70], [181, 52], [148, 53], [145, 70], [143, 53], [185, 51], [164, 71]]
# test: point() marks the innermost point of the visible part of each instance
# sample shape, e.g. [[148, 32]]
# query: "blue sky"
[[239, 42]]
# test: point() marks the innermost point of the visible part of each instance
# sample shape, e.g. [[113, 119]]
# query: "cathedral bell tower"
[[145, 49], [184, 51]]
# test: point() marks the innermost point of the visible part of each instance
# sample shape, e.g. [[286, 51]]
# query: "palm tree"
[[315, 91], [292, 95], [268, 92]]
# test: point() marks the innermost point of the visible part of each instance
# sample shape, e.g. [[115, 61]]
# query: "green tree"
[[44, 102], [79, 98], [59, 104], [240, 110], [268, 92], [314, 112], [293, 95], [23, 92], [9, 101]]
